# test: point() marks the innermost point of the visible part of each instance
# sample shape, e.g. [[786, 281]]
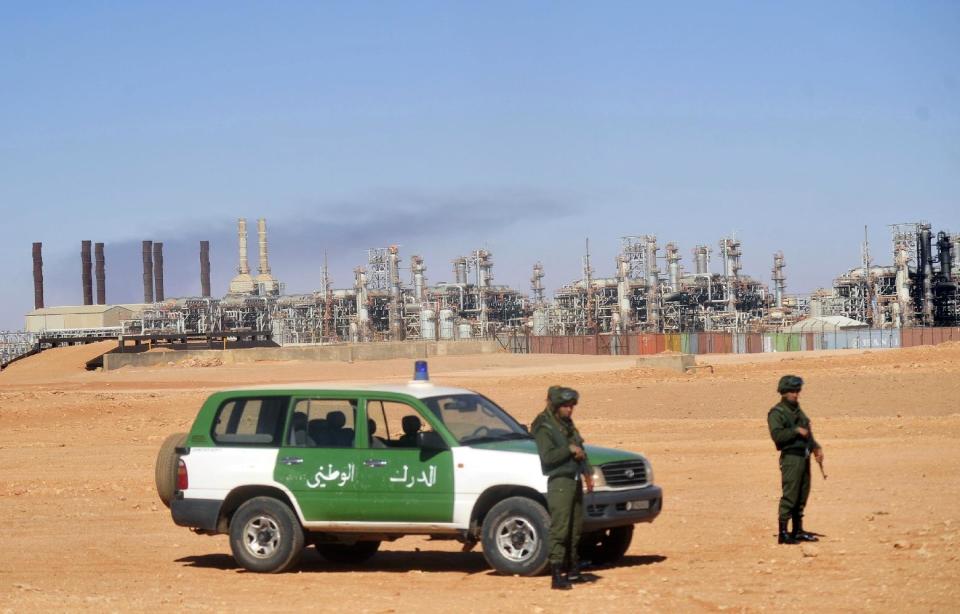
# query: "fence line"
[[727, 343]]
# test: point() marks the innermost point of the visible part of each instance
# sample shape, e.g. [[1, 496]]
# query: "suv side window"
[[323, 423], [394, 425], [250, 421]]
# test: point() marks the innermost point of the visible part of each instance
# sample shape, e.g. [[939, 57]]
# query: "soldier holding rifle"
[[564, 462], [791, 432]]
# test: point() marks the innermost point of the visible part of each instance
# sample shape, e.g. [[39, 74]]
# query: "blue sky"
[[521, 127]]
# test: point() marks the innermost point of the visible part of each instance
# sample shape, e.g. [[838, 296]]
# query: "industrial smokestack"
[[101, 273], [148, 271], [262, 244], [205, 268], [158, 270], [244, 268], [38, 276], [86, 263]]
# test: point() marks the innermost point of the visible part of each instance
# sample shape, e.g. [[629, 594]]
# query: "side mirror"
[[431, 440]]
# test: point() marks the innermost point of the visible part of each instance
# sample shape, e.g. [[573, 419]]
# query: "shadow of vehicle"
[[396, 561]]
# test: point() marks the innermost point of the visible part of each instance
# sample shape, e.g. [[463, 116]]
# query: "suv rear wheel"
[[265, 536], [516, 537]]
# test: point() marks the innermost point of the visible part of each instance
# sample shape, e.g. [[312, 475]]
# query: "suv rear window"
[[251, 422]]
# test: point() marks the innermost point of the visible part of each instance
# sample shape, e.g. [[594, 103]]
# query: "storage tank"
[[446, 324], [463, 331], [428, 329]]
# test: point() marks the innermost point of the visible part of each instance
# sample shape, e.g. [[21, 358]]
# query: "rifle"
[[822, 472], [809, 451]]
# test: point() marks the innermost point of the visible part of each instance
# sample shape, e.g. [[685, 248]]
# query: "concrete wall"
[[344, 353]]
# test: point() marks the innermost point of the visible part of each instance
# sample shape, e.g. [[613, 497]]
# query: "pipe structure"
[[393, 315], [623, 293], [101, 273], [730, 248], [86, 272], [484, 264], [536, 283], [945, 255], [901, 259], [925, 265], [701, 254], [38, 275], [417, 270], [653, 282], [460, 270], [779, 281], [673, 266], [363, 313], [148, 272], [158, 271], [205, 269]]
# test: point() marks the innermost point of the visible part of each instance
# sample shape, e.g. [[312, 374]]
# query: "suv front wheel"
[[516, 537], [265, 536]]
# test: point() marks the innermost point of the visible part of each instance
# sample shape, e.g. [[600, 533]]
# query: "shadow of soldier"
[[628, 561]]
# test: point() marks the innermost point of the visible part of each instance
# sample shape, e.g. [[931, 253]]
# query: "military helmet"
[[561, 395], [789, 383]]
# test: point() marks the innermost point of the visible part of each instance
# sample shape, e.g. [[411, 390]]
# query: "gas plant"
[[919, 289], [378, 307], [650, 291], [643, 297]]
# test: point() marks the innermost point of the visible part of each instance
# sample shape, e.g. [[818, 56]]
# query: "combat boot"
[[783, 537], [798, 534], [574, 575], [559, 579]]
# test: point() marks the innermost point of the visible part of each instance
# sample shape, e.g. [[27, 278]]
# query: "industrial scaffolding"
[[919, 289]]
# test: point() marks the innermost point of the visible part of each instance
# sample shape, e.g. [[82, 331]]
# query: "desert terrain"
[[86, 531]]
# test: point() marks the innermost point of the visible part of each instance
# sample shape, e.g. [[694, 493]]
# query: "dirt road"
[[84, 529]]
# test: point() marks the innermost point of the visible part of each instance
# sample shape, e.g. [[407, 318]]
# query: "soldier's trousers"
[[795, 479], [565, 504]]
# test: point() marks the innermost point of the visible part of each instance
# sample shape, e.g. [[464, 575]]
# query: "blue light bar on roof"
[[420, 373]]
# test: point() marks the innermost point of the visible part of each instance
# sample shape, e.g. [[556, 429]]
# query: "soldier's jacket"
[[554, 436], [783, 420]]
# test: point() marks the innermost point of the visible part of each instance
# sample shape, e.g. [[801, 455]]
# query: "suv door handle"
[[374, 462], [291, 460]]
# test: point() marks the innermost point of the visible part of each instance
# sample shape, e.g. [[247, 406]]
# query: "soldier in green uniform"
[[563, 461], [791, 432]]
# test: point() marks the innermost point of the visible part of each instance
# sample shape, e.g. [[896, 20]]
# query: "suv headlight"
[[598, 480]]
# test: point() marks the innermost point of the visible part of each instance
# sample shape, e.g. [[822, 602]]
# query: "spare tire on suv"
[[165, 473]]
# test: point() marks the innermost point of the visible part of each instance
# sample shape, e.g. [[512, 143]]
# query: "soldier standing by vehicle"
[[563, 460], [791, 432]]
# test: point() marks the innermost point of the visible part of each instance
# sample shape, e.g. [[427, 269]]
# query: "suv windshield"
[[473, 418]]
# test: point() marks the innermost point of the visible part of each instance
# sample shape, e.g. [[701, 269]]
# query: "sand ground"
[[84, 529]]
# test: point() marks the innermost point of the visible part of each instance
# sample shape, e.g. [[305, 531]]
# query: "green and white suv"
[[345, 468]]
